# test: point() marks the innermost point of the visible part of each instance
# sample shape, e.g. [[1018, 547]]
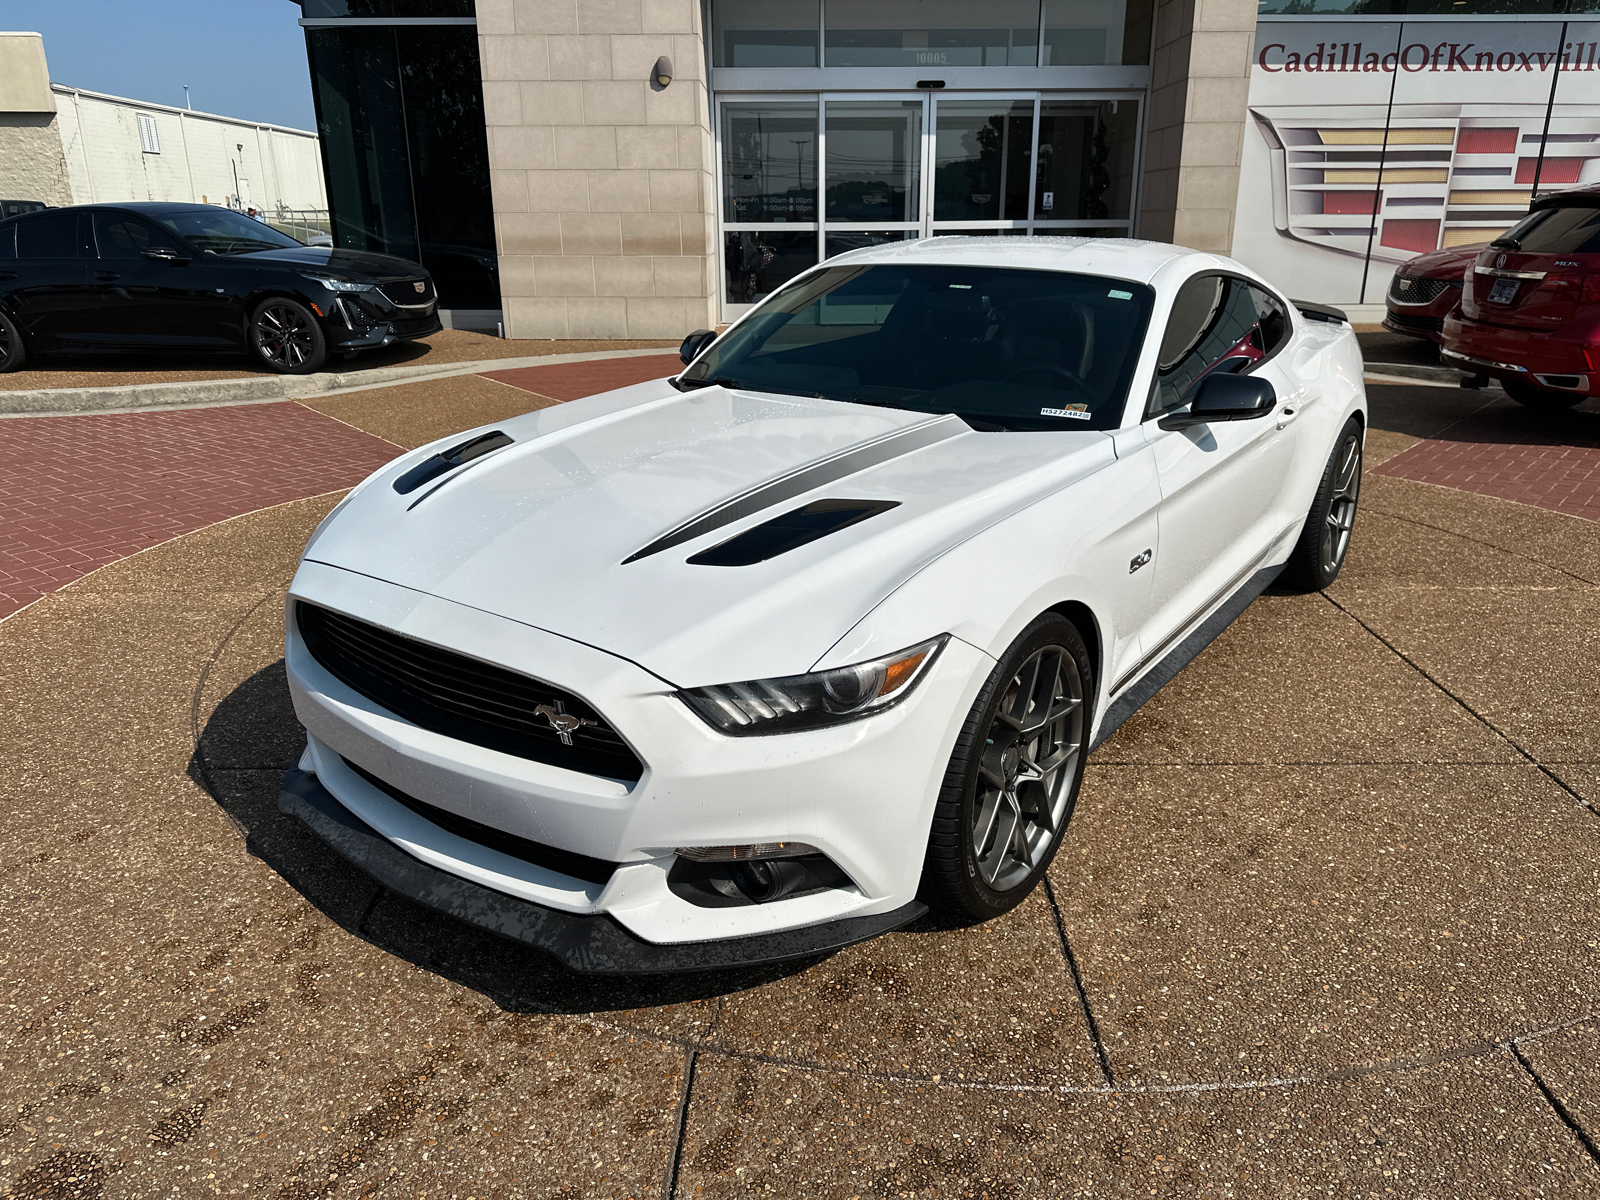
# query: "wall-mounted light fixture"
[[663, 70]]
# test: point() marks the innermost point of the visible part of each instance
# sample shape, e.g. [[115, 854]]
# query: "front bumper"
[[862, 793], [592, 944], [368, 324]]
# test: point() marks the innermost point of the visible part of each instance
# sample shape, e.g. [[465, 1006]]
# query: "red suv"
[[1423, 292], [1530, 306]]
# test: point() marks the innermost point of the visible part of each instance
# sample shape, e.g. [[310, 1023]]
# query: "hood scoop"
[[446, 461], [792, 530], [804, 479]]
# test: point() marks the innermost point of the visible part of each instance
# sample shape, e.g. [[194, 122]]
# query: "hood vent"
[[804, 479], [790, 531], [448, 460]]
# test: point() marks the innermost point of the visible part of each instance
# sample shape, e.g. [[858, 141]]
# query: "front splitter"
[[592, 945]]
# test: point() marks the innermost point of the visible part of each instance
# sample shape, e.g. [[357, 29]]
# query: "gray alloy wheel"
[[12, 351], [1029, 760], [1324, 542], [1014, 774], [286, 337]]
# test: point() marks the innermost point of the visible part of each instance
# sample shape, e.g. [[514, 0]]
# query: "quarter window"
[[1218, 323]]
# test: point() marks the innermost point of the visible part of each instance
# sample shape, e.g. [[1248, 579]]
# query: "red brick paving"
[[572, 381], [1548, 460], [79, 492]]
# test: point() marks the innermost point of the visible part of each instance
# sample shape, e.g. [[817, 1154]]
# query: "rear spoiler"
[[1321, 312]]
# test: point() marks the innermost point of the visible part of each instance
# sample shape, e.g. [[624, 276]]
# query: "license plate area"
[[1504, 291]]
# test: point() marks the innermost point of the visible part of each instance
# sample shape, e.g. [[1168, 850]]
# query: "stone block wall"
[[602, 179], [1199, 90]]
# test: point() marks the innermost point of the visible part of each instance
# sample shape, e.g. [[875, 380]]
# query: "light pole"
[[186, 103]]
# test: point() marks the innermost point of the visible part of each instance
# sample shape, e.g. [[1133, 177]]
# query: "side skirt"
[[1134, 697]]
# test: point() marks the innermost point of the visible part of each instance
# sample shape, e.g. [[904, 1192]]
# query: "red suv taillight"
[[1591, 290]]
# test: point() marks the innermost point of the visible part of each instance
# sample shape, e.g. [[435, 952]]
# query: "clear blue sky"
[[240, 58]]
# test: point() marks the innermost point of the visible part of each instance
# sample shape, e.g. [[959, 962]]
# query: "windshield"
[[223, 231], [1564, 230], [1001, 348]]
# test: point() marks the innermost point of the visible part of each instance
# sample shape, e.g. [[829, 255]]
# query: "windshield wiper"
[[684, 385]]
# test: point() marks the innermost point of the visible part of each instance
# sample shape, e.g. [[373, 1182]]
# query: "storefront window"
[[874, 160], [984, 158], [1086, 157], [769, 162], [765, 33], [1421, 8], [758, 263], [842, 242], [932, 33], [387, 8], [1096, 32]]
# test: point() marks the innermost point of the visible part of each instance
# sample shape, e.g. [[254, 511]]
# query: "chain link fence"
[[309, 225]]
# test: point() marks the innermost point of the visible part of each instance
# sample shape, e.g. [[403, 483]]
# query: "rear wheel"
[[1014, 775], [1325, 540], [1541, 399], [285, 337], [12, 353]]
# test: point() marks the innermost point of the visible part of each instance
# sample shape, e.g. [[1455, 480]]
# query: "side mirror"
[[1225, 398], [694, 343], [167, 255]]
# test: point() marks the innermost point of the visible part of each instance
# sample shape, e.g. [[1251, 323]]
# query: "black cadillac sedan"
[[187, 277]]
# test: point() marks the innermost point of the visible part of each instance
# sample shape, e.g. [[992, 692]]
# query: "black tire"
[[1541, 399], [12, 352], [285, 336], [973, 872], [1324, 542]]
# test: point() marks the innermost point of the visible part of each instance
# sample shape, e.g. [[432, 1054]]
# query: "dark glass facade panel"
[[769, 162], [405, 153], [765, 33], [1085, 165], [837, 242], [874, 160], [387, 8], [443, 90], [983, 160], [932, 33], [759, 263], [1419, 8], [1096, 32]]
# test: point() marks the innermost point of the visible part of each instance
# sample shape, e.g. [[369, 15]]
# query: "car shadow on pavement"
[[239, 759]]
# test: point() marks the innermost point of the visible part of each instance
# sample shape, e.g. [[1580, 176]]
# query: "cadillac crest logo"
[[563, 722], [422, 287]]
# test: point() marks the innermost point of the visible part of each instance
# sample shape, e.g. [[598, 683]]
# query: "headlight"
[[338, 285], [796, 702]]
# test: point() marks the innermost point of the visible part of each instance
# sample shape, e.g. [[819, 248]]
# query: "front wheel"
[[12, 352], [1325, 540], [1014, 775], [1540, 399], [285, 337]]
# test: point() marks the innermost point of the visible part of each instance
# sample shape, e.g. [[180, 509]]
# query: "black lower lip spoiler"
[[597, 945]]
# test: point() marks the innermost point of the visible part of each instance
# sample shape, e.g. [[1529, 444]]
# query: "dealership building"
[[640, 168]]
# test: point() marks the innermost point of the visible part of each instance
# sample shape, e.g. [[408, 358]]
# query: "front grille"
[[1408, 289], [409, 326], [565, 862], [464, 698], [405, 292]]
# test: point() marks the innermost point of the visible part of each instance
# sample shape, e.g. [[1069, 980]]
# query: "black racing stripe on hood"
[[795, 528], [804, 479]]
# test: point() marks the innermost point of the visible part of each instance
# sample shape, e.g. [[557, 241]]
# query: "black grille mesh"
[[405, 292], [1407, 289], [462, 697]]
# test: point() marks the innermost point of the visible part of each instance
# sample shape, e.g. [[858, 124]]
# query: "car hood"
[[549, 530], [1442, 264], [339, 262]]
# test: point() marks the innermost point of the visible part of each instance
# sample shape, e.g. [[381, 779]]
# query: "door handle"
[[8, 274], [107, 275], [1284, 417]]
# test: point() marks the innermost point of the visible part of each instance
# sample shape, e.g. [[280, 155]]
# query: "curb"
[[1448, 376], [55, 402]]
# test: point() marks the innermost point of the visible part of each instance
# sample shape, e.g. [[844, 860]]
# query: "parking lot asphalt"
[[1325, 922]]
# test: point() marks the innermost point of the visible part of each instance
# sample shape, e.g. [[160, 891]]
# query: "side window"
[[1218, 323], [126, 237], [8, 242], [55, 236]]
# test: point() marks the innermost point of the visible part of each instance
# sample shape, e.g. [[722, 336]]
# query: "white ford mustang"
[[766, 658]]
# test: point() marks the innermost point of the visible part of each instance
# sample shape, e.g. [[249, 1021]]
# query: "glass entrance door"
[[806, 179]]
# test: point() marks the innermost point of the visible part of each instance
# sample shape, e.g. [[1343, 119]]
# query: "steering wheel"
[[1054, 370]]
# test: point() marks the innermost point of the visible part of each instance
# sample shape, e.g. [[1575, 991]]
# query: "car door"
[[52, 298], [1223, 484], [149, 289]]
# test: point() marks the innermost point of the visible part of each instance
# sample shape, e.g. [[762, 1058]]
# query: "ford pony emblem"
[[563, 722]]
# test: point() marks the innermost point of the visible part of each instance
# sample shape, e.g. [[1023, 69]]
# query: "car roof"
[[1585, 197], [1121, 258]]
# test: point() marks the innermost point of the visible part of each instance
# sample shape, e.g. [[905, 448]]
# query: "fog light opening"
[[771, 879]]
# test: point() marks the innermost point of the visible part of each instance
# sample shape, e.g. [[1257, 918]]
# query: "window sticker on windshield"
[[1116, 295], [1073, 412]]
